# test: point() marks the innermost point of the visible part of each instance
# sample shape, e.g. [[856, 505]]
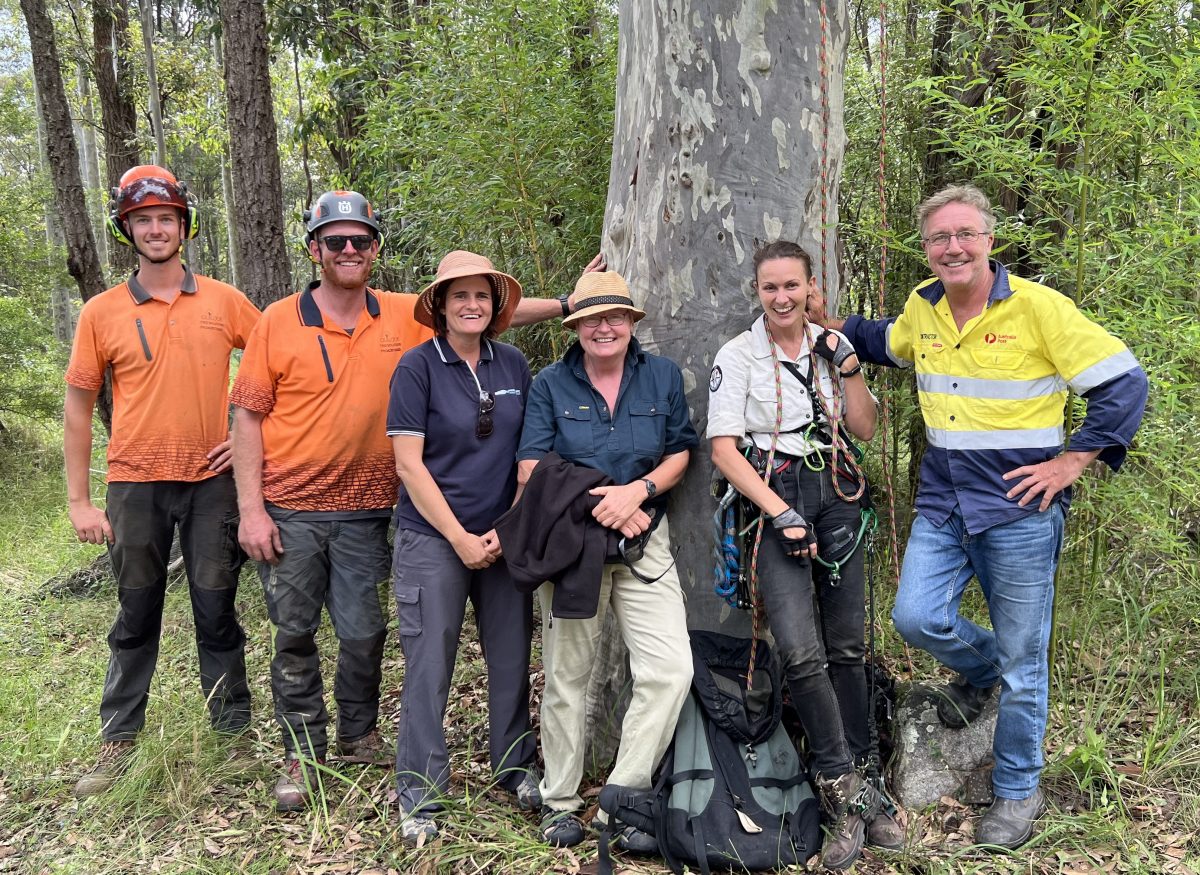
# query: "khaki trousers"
[[653, 625]]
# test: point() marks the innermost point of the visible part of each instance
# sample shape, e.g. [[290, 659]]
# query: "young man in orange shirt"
[[166, 334], [316, 482]]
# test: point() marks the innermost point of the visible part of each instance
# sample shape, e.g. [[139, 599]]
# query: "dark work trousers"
[[143, 518], [818, 624], [335, 564], [432, 587]]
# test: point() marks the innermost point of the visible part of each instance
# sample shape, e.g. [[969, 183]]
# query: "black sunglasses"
[[337, 242], [483, 426]]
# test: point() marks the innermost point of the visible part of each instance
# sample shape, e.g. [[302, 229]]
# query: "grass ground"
[[1123, 745]]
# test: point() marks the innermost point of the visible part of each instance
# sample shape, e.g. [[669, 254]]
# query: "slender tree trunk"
[[110, 40], [83, 263], [156, 119], [90, 164], [728, 135], [227, 194], [62, 153], [264, 271], [60, 295]]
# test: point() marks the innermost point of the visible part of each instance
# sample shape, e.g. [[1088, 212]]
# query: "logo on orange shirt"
[[212, 320]]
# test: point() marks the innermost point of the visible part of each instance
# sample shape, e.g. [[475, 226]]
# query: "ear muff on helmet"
[[340, 206], [149, 185]]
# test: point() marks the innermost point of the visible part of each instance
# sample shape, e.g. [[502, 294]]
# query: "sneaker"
[[1009, 822], [371, 750], [561, 829], [529, 797], [960, 703], [297, 784], [853, 803], [111, 763], [635, 841], [417, 829]]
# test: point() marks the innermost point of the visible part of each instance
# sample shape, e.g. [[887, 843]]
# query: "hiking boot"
[[297, 784], [960, 703], [529, 797], [370, 750], [885, 832], [635, 841], [111, 763], [561, 829], [853, 803], [417, 829], [1009, 822]]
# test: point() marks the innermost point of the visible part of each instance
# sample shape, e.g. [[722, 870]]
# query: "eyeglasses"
[[965, 238], [613, 319], [337, 242], [483, 425]]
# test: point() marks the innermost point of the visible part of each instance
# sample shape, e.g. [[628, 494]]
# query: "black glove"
[[842, 351], [791, 519]]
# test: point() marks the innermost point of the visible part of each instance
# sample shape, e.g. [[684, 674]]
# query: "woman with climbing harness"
[[781, 396]]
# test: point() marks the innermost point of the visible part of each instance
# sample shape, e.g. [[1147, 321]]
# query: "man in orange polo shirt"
[[166, 334], [316, 482]]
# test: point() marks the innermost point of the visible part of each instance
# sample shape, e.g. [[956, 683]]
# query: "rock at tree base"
[[932, 761]]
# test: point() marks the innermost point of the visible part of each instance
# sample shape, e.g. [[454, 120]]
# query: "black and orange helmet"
[[149, 185]]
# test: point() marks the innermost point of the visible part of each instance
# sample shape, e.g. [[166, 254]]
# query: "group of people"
[[354, 408]]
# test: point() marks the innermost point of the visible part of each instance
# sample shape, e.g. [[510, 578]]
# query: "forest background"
[[489, 126]]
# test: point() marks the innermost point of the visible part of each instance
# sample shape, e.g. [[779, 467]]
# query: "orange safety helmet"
[[148, 185]]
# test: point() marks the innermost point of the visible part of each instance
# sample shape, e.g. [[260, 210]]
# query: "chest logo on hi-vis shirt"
[[390, 343], [714, 378], [989, 338]]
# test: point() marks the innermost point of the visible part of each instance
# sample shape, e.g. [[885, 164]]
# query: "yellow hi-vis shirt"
[[993, 393]]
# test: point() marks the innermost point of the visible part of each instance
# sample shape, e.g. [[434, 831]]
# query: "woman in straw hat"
[[454, 417], [781, 396], [610, 405]]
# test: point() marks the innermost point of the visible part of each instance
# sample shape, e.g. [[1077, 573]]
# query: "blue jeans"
[[1014, 564]]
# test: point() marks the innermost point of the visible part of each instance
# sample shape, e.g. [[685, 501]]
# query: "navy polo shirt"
[[434, 396], [566, 414]]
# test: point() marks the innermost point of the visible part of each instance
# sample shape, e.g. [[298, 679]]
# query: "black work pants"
[[818, 622], [143, 518]]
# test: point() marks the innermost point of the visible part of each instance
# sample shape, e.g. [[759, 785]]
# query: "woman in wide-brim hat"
[[612, 406], [454, 417], [460, 264]]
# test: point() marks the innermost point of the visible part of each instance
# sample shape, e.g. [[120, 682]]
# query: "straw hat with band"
[[598, 292], [461, 263]]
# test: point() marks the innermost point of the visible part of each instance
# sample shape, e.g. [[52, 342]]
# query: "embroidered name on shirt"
[[390, 343]]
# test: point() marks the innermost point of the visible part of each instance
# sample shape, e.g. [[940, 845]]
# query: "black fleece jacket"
[[550, 534]]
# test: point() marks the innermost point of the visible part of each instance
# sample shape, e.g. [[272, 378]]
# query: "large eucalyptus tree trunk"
[[263, 267], [725, 128], [728, 135], [114, 86]]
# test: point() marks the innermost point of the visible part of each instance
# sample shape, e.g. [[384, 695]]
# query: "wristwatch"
[[565, 301], [650, 487]]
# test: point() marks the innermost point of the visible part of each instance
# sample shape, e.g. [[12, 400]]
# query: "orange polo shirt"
[[324, 395], [170, 373]]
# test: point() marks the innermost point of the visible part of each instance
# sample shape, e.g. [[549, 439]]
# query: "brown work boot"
[[853, 803], [299, 781], [110, 765], [885, 832], [371, 750]]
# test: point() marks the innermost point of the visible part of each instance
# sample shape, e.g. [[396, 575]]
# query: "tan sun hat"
[[460, 263], [598, 292]]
